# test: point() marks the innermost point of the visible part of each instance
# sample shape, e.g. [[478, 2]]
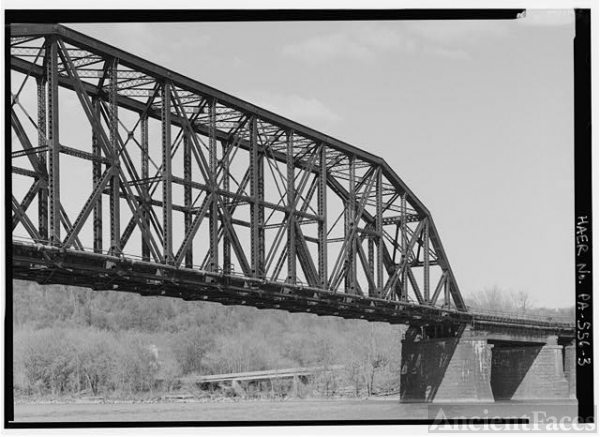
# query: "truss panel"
[[192, 179]]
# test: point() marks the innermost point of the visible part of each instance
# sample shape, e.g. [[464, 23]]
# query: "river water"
[[290, 410]]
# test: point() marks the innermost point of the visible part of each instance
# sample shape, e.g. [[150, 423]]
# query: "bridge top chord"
[[155, 183]]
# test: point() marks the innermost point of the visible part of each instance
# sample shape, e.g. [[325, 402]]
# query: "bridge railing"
[[554, 318], [473, 315]]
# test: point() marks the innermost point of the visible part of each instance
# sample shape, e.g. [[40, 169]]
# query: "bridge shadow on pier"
[[511, 363], [423, 357], [458, 365]]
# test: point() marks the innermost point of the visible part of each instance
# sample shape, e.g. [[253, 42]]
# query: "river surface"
[[290, 410]]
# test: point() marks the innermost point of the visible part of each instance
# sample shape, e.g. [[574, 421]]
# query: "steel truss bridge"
[[128, 176]]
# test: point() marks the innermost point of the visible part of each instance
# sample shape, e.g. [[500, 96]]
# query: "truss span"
[[129, 176]]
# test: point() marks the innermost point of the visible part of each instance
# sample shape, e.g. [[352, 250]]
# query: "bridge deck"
[[101, 272], [313, 223], [261, 374]]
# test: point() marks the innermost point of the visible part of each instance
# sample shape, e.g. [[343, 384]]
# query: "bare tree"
[[522, 302], [496, 300], [488, 299]]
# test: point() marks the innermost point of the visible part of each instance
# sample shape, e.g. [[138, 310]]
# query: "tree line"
[[71, 342]]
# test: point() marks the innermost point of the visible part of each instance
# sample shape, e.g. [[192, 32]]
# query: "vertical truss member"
[[268, 173]]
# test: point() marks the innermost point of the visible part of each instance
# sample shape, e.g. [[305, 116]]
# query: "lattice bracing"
[[119, 162]]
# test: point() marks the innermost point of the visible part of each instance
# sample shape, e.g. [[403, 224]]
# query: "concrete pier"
[[474, 366], [529, 373], [443, 370]]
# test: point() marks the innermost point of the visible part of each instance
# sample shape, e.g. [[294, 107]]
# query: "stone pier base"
[[570, 370], [446, 370], [472, 367], [529, 373]]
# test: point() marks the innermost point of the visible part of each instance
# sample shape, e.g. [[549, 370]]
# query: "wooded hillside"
[[68, 340], [71, 342]]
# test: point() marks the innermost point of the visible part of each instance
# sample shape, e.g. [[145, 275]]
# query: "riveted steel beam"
[[379, 232], [350, 235], [144, 157], [322, 212], [96, 176], [404, 249], [226, 148], [42, 142], [426, 260], [53, 141], [257, 197], [166, 173], [213, 220], [25, 221], [27, 200], [291, 218], [187, 196], [115, 200]]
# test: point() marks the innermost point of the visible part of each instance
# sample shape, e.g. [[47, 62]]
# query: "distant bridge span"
[[130, 177]]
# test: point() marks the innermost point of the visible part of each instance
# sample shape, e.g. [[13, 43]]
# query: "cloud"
[[157, 42], [442, 52], [368, 43], [238, 62], [300, 109], [328, 47], [456, 33], [385, 39]]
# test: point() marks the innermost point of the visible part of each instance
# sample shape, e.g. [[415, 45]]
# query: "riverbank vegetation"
[[74, 342]]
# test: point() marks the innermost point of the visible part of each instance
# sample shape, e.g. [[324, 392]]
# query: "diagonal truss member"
[[188, 177]]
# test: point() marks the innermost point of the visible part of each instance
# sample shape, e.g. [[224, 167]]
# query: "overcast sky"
[[477, 118]]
